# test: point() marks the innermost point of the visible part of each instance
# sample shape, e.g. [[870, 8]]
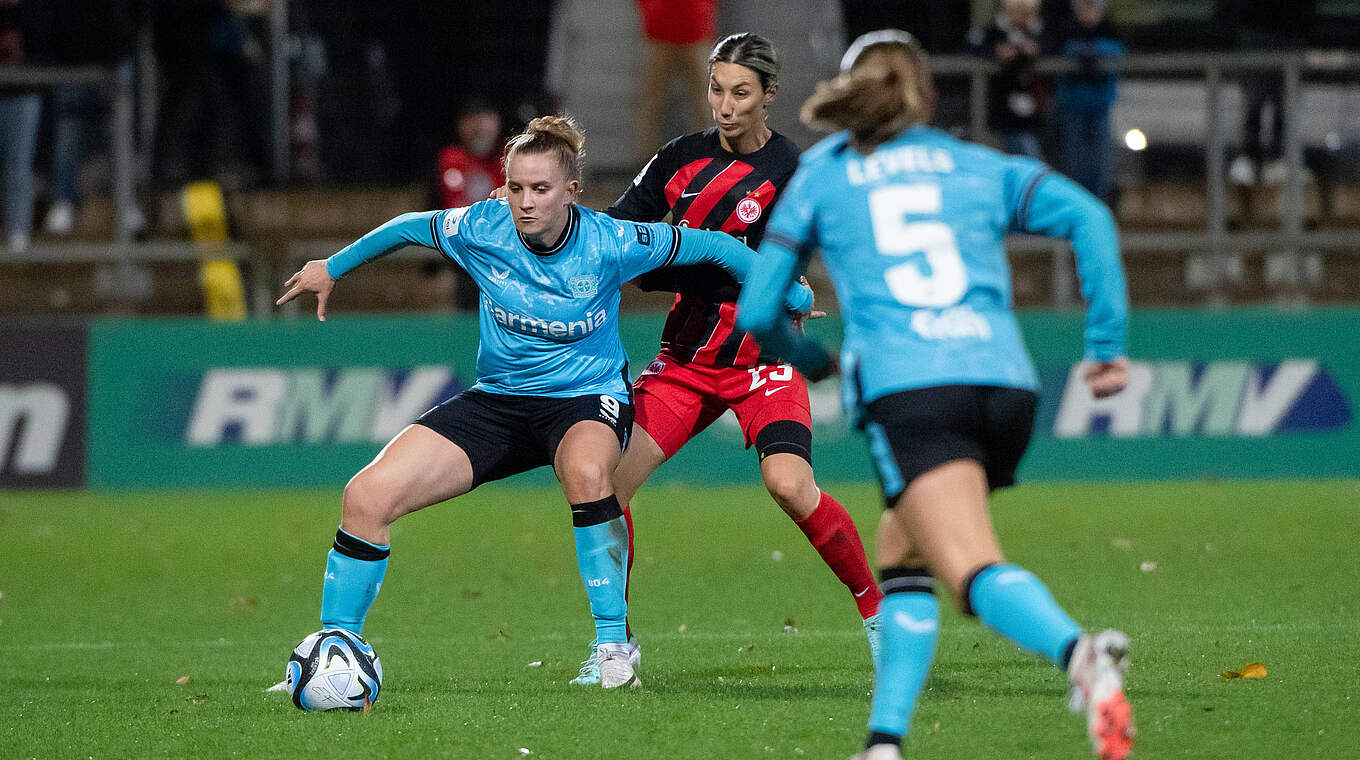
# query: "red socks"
[[834, 536]]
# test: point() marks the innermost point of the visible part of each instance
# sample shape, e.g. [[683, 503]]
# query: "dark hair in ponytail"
[[752, 51]]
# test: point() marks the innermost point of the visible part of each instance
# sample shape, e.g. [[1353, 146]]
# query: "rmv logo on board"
[[265, 406], [1215, 399]]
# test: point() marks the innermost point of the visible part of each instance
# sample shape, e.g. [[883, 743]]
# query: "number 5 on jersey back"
[[938, 278]]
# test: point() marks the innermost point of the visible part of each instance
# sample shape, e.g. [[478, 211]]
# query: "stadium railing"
[[1215, 70], [1214, 240]]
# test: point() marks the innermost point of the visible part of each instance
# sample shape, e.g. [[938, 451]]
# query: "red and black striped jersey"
[[697, 183]]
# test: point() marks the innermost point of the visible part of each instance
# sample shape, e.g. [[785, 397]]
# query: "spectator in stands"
[[677, 35], [21, 27], [1016, 96], [1266, 26], [466, 172], [1085, 97], [471, 168], [94, 34]]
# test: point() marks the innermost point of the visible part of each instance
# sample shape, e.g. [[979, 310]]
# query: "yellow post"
[[224, 293]]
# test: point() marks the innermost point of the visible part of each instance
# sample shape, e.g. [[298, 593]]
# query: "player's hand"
[[1107, 378], [501, 192], [311, 278], [811, 313]]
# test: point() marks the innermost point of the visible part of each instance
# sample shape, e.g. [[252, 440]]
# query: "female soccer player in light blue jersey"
[[552, 381], [910, 222]]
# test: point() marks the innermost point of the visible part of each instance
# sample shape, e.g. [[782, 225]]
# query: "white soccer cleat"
[[879, 752], [280, 686], [1097, 676], [590, 666], [616, 667], [875, 634]]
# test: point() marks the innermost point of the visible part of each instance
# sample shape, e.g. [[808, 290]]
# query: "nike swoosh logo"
[[689, 195], [776, 390], [912, 624], [862, 593]]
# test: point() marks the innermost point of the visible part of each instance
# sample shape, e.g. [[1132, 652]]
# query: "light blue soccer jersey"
[[912, 234], [549, 320]]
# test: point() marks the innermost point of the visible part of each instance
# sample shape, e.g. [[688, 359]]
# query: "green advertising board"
[[191, 403]]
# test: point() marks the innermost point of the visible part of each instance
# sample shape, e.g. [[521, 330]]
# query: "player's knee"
[[366, 500], [791, 490], [585, 480]]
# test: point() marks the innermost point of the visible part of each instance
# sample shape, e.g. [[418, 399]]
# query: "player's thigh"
[[771, 405], [586, 436], [674, 401], [928, 449], [417, 468], [637, 463], [946, 518], [585, 461]]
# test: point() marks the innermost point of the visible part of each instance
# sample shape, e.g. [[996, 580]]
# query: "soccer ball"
[[333, 669]]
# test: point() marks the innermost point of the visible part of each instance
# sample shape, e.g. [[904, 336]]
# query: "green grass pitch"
[[108, 601]]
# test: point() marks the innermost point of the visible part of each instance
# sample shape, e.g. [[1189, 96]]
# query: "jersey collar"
[[567, 232]]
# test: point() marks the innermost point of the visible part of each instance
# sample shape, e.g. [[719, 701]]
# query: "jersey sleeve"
[[450, 233], [645, 199], [792, 226], [788, 243], [1056, 206], [415, 228], [652, 246]]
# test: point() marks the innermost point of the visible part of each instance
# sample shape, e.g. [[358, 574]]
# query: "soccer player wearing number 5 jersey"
[[910, 222], [552, 377]]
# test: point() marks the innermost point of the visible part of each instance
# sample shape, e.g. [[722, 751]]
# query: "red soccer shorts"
[[674, 401]]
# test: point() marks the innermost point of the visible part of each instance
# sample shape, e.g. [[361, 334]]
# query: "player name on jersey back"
[[908, 158]]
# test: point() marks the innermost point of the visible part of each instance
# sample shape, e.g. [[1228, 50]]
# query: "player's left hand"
[[1107, 378], [810, 313], [312, 278], [501, 192]]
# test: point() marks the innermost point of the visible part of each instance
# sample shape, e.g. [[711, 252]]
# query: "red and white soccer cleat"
[[1097, 676]]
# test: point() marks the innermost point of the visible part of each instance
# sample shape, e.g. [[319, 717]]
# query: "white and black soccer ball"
[[333, 669]]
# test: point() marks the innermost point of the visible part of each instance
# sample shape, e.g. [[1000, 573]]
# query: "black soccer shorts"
[[912, 432], [505, 435]]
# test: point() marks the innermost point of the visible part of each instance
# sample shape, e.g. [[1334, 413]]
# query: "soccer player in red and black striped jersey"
[[726, 178]]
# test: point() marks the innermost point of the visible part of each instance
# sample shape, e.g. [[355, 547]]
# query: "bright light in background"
[[1135, 139]]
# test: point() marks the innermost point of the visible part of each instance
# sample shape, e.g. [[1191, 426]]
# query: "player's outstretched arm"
[[1060, 207], [758, 312], [319, 275], [709, 247]]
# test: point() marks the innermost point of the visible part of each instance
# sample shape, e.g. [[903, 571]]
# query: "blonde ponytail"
[[558, 135]]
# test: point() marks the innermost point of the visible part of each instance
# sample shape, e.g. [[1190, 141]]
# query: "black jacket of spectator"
[[1016, 97]]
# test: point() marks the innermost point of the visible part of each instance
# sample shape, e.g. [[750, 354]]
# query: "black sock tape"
[[357, 548], [596, 512], [967, 601]]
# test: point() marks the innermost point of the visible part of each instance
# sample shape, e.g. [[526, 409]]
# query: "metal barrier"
[[1212, 69], [124, 186], [1215, 240]]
